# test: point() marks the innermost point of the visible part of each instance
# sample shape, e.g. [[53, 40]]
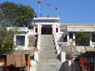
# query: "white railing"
[[57, 46], [81, 28], [58, 49], [36, 54], [38, 42], [58, 36], [93, 43], [19, 29]]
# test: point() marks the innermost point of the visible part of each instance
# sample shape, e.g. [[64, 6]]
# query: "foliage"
[[17, 15], [24, 15], [83, 39], [6, 40], [2, 16]]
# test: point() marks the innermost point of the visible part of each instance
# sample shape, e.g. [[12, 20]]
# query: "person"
[[70, 41]]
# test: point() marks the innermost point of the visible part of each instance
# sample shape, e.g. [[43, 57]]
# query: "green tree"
[[17, 15], [83, 39], [25, 15], [9, 9], [6, 40]]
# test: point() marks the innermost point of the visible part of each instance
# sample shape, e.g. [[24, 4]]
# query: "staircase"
[[48, 59]]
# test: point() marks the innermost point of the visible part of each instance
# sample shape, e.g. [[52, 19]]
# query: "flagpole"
[[39, 2], [39, 10]]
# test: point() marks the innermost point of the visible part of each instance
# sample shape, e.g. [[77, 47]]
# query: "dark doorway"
[[46, 29]]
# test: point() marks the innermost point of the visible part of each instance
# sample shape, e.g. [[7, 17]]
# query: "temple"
[[46, 25], [54, 44]]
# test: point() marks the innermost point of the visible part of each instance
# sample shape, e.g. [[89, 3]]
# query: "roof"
[[64, 26], [77, 24], [47, 18]]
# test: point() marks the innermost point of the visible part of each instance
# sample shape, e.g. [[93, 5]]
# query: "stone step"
[[50, 67], [45, 41], [49, 61], [47, 51], [47, 48], [47, 54], [48, 38], [47, 44], [48, 57]]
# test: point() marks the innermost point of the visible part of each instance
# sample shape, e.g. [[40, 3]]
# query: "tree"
[[2, 15], [17, 15], [24, 15], [9, 9], [83, 39], [6, 40]]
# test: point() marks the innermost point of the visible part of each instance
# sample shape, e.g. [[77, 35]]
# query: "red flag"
[[47, 4], [56, 8], [60, 15]]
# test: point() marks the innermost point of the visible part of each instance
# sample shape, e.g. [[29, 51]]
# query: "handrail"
[[36, 54], [56, 45]]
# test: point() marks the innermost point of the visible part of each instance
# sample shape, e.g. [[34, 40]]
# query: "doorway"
[[46, 29]]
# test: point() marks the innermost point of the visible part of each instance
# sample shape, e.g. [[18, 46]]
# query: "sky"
[[69, 11]]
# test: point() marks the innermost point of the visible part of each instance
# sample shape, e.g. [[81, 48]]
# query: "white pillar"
[[36, 56], [38, 29], [91, 42], [69, 63], [26, 41], [68, 38], [63, 57], [58, 51], [34, 30], [15, 39], [74, 39]]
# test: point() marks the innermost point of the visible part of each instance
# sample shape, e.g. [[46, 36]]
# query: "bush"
[[83, 39]]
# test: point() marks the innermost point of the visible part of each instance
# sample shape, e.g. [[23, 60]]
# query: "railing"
[[93, 43], [57, 46], [38, 42], [62, 54], [36, 53], [19, 29]]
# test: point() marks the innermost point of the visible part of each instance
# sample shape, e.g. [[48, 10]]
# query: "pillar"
[[53, 29], [38, 26], [14, 38], [34, 30], [91, 41], [74, 39], [69, 63], [36, 56], [63, 57], [68, 38], [26, 41], [40, 29]]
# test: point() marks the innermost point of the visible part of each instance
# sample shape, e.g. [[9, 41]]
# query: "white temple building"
[[51, 25]]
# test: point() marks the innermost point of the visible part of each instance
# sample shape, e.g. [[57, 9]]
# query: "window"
[[36, 30], [56, 29]]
